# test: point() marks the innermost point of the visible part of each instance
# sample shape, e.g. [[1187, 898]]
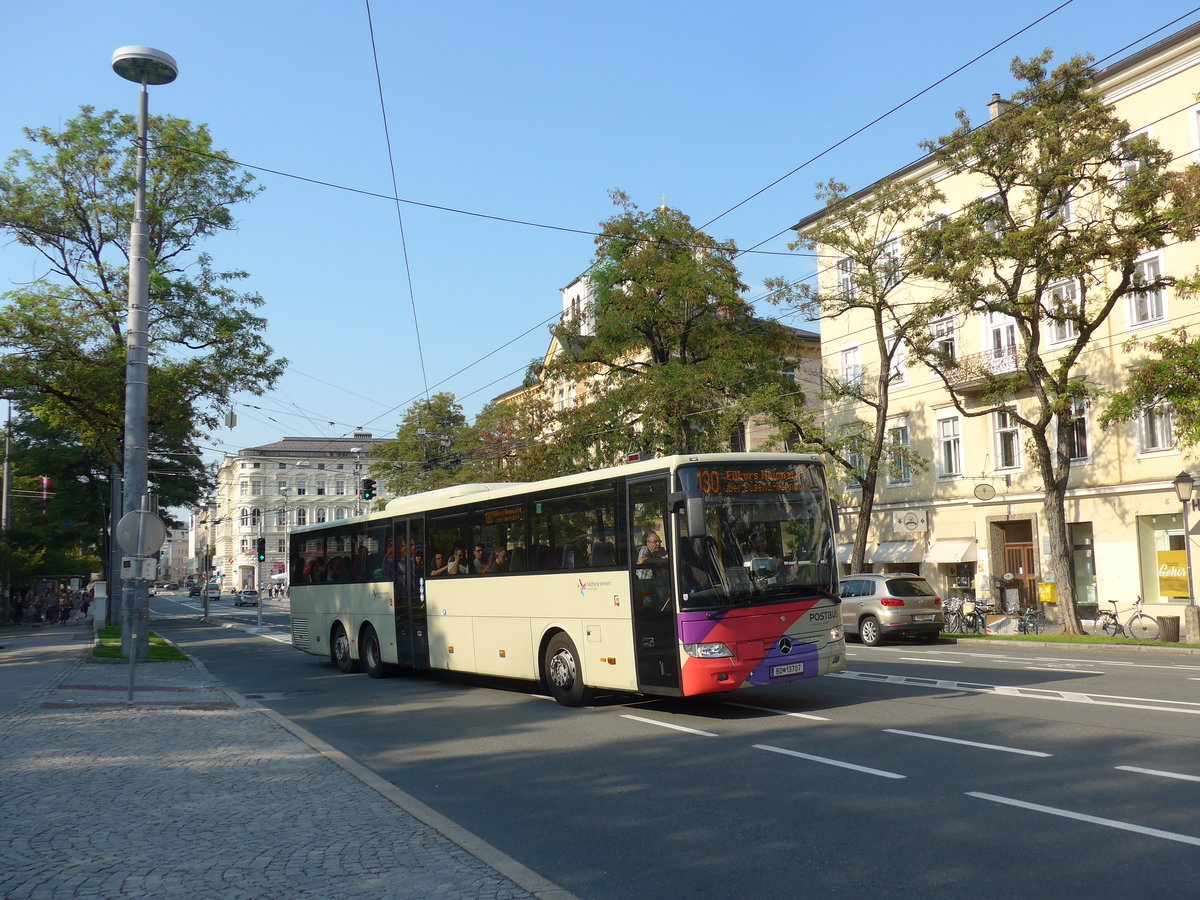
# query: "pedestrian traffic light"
[[261, 546], [368, 488]]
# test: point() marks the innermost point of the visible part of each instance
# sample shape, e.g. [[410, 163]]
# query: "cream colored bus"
[[676, 576]]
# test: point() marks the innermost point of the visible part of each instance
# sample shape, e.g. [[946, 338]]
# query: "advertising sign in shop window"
[[1172, 573]]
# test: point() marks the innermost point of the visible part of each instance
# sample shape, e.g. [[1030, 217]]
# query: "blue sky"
[[530, 111]]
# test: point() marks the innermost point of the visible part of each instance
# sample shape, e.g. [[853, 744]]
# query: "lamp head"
[[1183, 486], [144, 65]]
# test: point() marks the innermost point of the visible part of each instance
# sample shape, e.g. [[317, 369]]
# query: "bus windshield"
[[769, 536]]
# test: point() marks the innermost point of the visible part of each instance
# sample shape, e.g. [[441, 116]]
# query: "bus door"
[[412, 636], [656, 641]]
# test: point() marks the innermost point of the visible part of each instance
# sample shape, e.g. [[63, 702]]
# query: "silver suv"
[[875, 606]]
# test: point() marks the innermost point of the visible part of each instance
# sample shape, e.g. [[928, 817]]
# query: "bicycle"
[[953, 616], [1139, 625], [1031, 621]]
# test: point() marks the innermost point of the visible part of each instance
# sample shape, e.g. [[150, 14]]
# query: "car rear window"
[[909, 587]]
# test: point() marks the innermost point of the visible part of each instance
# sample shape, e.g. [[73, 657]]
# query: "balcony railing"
[[974, 374]]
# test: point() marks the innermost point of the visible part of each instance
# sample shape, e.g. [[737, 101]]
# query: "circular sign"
[[140, 533], [985, 491], [1007, 576]]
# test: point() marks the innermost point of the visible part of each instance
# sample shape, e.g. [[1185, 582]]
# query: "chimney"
[[997, 107]]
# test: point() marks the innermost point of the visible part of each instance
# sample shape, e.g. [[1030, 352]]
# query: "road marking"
[[944, 662], [1159, 772], [1001, 657], [829, 762], [669, 725], [779, 712], [950, 740], [1024, 693], [1061, 669], [1095, 820]]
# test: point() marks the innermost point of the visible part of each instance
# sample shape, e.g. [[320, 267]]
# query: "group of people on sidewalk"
[[50, 607]]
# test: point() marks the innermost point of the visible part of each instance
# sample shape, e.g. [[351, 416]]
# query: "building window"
[[281, 546], [301, 517], [899, 471], [1002, 336], [737, 439], [244, 519], [301, 488], [339, 513], [1008, 441], [320, 515], [1156, 429], [889, 259], [949, 448], [899, 370], [339, 487], [281, 518], [847, 282], [255, 517], [851, 368], [1128, 164], [1063, 305], [1147, 305], [992, 214], [320, 488], [945, 339], [244, 489], [256, 466], [1077, 439], [245, 545]]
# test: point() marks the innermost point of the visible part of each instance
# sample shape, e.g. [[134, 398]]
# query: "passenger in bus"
[[440, 564], [499, 561], [458, 564], [479, 562]]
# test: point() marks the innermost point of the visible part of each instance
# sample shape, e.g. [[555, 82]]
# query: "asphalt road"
[[952, 770]]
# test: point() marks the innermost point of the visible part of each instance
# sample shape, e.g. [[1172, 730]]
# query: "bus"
[[563, 582]]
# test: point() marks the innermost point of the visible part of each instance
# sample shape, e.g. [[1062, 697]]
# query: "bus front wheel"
[[368, 652], [339, 649], [564, 679]]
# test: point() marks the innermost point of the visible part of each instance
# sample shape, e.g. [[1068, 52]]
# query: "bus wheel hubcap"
[[562, 669]]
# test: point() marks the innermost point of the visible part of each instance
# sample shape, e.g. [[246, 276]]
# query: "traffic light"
[[261, 546], [368, 488]]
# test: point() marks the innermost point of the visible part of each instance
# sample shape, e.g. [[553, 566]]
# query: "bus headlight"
[[836, 633], [708, 651]]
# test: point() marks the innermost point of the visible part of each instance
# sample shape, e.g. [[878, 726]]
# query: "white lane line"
[[779, 712], [1095, 820], [1060, 669], [1159, 772], [944, 662], [669, 725], [1001, 657], [950, 740], [829, 762]]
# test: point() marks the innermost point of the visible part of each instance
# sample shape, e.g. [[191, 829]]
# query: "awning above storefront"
[[845, 551], [952, 550], [897, 552]]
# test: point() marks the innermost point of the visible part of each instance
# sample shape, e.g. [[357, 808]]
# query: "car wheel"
[[368, 651], [564, 680], [869, 633], [339, 648]]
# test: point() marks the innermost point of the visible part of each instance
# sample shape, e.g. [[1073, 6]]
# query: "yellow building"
[[973, 523]]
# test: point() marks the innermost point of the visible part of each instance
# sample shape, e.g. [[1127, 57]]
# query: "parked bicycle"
[[1031, 621], [952, 614], [1139, 625]]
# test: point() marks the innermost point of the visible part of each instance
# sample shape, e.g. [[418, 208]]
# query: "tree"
[[1169, 375], [667, 354], [863, 237], [428, 450], [1072, 202], [64, 331]]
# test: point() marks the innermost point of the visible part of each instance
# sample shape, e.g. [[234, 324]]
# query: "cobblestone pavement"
[[192, 790]]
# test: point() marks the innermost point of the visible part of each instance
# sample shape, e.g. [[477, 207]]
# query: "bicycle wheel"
[[1036, 625], [951, 625], [1142, 627]]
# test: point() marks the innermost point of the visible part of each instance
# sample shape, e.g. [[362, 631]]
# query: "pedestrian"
[[65, 605]]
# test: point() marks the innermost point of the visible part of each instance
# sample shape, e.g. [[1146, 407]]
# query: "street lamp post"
[[144, 66], [1184, 483]]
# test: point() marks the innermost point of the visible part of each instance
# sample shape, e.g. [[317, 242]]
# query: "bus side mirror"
[[837, 520], [692, 503]]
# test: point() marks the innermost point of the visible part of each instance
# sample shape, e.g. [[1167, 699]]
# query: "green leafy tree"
[[668, 353], [69, 200], [1169, 374], [430, 446], [864, 240], [1072, 203]]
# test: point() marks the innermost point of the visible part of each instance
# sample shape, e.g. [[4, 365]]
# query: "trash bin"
[[1168, 629]]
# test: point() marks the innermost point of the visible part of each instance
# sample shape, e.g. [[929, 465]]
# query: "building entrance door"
[[1018, 562]]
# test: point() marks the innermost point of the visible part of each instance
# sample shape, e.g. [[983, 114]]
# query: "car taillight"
[[891, 601], [937, 601]]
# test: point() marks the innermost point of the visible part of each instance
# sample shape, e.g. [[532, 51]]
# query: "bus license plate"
[[929, 617], [790, 669]]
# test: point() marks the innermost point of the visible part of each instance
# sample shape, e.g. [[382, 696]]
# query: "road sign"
[[141, 533]]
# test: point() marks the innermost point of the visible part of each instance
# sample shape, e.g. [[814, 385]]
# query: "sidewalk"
[[194, 791]]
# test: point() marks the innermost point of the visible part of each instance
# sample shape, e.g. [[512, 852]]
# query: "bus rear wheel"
[[564, 680], [368, 653], [339, 649]]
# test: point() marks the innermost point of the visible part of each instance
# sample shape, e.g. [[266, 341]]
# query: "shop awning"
[[897, 552], [844, 552], [952, 550]]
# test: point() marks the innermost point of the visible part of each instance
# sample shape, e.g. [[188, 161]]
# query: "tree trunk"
[[1054, 514]]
